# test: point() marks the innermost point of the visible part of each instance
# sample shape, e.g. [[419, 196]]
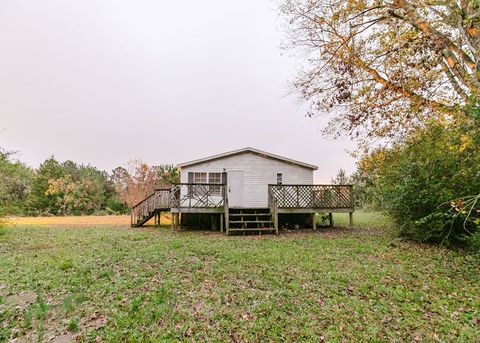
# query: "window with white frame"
[[215, 178], [199, 177], [199, 190], [279, 178]]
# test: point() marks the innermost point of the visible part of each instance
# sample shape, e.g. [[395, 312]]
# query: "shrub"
[[116, 206], [3, 219], [474, 241], [417, 181]]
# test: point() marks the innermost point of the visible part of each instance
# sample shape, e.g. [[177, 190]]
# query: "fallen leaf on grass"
[[95, 321], [247, 316], [349, 290]]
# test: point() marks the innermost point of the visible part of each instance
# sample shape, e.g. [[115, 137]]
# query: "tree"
[[168, 174], [76, 197], [38, 199], [135, 182], [341, 178], [15, 183], [381, 69], [365, 179], [70, 188]]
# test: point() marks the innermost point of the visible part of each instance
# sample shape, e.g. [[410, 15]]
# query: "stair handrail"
[[151, 194], [142, 208]]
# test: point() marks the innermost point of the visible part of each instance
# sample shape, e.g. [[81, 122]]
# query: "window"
[[279, 178], [215, 178], [199, 177], [198, 190]]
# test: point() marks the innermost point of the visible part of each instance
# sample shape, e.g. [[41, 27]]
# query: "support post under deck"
[[276, 222]]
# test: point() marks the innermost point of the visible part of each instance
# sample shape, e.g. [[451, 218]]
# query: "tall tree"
[[383, 68], [39, 200], [341, 178], [168, 174], [15, 182], [135, 182]]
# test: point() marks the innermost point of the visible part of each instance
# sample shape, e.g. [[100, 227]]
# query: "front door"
[[235, 188]]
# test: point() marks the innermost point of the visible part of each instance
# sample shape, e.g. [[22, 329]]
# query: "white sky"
[[104, 81]]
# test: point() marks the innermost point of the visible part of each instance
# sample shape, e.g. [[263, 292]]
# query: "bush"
[[3, 219], [417, 181], [115, 206], [474, 241]]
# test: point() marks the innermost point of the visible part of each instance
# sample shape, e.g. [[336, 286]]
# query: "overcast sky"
[[102, 82]]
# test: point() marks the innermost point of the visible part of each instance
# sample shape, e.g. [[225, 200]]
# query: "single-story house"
[[245, 190]]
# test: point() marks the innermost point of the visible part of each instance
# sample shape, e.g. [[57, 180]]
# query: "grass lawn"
[[112, 283]]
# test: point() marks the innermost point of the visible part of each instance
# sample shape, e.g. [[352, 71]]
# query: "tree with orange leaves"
[[381, 69]]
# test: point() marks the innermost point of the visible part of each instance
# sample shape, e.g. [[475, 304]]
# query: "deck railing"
[[198, 195], [311, 196]]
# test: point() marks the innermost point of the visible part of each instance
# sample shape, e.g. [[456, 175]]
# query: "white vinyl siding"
[[258, 173]]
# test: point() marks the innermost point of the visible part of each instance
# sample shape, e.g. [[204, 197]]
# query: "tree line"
[[69, 188]]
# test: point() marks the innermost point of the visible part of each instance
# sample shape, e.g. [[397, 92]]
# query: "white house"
[[247, 173], [245, 190]]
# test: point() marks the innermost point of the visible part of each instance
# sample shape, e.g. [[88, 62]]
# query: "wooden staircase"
[[157, 202], [141, 220], [250, 220]]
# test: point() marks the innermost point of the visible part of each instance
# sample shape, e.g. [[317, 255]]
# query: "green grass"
[[364, 219], [154, 285]]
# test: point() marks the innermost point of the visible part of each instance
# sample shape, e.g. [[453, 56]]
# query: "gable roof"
[[246, 150]]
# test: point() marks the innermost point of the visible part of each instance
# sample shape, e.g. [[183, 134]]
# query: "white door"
[[235, 188]]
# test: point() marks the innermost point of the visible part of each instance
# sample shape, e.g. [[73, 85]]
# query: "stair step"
[[252, 229], [249, 214], [250, 221]]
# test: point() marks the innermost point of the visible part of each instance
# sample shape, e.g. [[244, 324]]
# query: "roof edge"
[[244, 150]]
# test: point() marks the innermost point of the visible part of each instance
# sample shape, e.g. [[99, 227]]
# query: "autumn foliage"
[[68, 188], [381, 69], [402, 77]]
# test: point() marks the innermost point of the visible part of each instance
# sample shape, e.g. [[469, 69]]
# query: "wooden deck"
[[213, 199]]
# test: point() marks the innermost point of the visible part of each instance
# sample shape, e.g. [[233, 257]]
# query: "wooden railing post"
[[298, 196], [272, 204], [352, 202], [226, 210], [275, 220]]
